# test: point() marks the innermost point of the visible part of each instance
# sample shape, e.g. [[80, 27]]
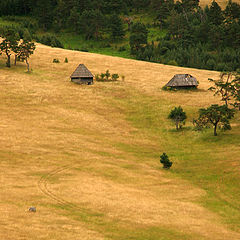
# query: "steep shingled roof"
[[182, 80], [81, 72]]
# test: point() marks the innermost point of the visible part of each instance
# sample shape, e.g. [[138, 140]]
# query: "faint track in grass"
[[43, 186]]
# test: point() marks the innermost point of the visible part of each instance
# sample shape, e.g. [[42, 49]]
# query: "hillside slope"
[[222, 3], [88, 156]]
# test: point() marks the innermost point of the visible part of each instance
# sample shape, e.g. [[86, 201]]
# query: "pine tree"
[[138, 37], [116, 26]]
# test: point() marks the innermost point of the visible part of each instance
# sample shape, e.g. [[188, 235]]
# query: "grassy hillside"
[[222, 3], [88, 156]]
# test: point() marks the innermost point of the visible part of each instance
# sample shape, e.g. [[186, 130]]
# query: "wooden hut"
[[82, 75], [182, 81]]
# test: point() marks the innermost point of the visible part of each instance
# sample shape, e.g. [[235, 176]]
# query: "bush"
[[97, 77], [115, 77], [56, 60], [172, 62], [49, 40], [178, 116], [66, 60], [82, 50], [105, 77], [165, 161], [122, 49]]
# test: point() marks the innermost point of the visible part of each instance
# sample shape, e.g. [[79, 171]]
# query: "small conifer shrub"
[[165, 161], [66, 60]]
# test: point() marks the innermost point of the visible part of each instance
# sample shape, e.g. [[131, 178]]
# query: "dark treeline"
[[201, 38]]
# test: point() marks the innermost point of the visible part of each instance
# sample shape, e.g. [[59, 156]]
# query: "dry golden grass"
[[221, 3], [60, 152]]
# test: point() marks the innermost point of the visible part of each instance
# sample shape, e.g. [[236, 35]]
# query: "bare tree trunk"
[[177, 125], [8, 63], [215, 130], [226, 102], [27, 65]]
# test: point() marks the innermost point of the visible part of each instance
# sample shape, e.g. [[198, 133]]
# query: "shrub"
[[49, 40], [56, 60], [97, 77], [82, 50], [66, 60], [115, 77], [172, 62], [122, 49], [178, 116], [165, 161], [107, 77], [102, 76]]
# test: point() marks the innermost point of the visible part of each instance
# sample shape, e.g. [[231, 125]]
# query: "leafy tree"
[[223, 87], [138, 37], [9, 44], [216, 115], [27, 48], [16, 49], [178, 116], [165, 161]]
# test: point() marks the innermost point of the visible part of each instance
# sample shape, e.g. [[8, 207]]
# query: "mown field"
[[88, 156]]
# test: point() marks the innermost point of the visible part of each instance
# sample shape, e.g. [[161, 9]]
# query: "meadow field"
[[222, 3], [87, 157]]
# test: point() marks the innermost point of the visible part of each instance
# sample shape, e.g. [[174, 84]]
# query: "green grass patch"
[[105, 46], [209, 162]]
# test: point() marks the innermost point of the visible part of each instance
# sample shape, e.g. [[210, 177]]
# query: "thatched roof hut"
[[82, 75], [182, 80]]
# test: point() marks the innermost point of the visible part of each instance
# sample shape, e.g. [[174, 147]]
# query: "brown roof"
[[81, 71], [182, 80]]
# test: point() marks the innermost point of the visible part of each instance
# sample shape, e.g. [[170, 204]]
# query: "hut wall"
[[82, 80]]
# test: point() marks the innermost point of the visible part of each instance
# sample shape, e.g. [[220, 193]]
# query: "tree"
[[236, 90], [116, 27], [215, 14], [162, 9], [91, 23], [165, 161], [178, 116], [26, 48], [232, 11], [223, 86], [9, 44], [74, 20], [44, 10], [190, 5], [138, 37], [216, 115]]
